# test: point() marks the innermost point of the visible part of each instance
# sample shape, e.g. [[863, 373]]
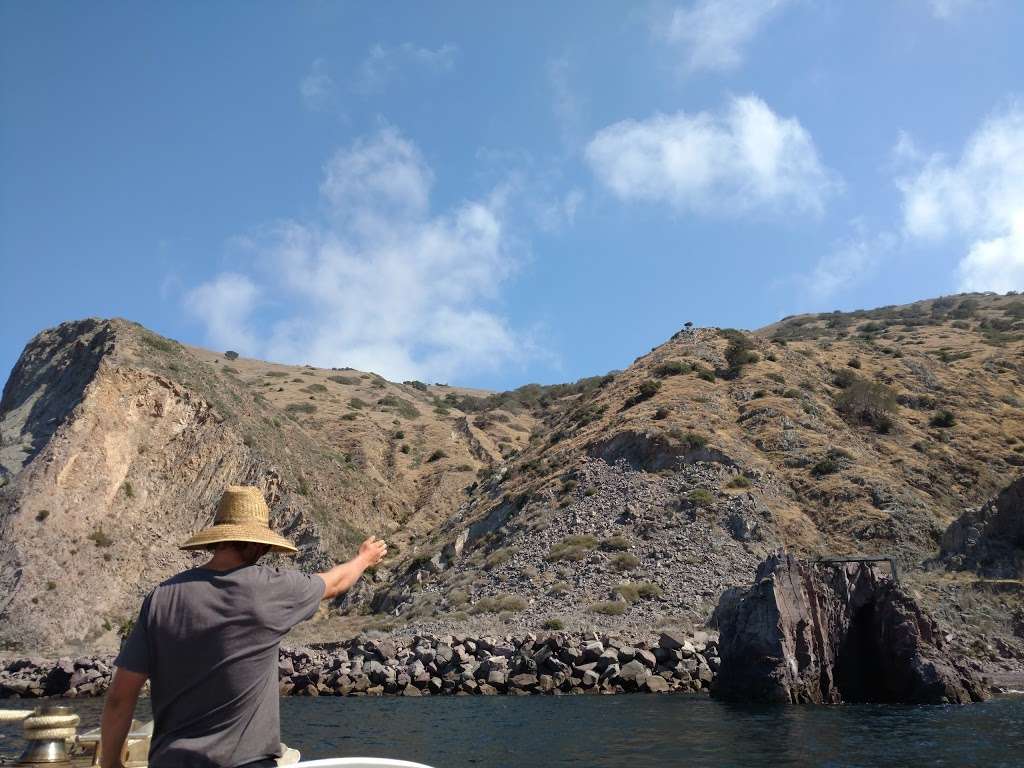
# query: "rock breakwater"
[[423, 665]]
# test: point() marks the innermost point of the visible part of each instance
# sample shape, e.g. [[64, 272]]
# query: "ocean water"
[[639, 731]]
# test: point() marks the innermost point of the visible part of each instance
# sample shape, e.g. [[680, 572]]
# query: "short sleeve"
[[134, 655], [289, 597]]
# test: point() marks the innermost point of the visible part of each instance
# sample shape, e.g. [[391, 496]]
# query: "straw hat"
[[242, 515]]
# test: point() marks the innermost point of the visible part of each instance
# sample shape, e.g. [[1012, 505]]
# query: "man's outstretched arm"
[[340, 578], [118, 710]]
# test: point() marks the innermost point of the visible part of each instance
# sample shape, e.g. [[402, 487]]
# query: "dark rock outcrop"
[[824, 634], [989, 539]]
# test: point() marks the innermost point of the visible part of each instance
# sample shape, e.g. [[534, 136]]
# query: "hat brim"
[[217, 534]]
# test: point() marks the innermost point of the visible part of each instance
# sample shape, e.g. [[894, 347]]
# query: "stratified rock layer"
[[990, 539], [821, 633]]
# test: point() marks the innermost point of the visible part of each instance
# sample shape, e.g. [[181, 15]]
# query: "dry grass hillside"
[[117, 442], [626, 500]]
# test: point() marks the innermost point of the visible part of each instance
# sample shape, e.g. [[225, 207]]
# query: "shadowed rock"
[[826, 634], [990, 539]]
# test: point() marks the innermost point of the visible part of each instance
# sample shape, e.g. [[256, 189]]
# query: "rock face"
[[114, 462], [990, 539], [828, 634]]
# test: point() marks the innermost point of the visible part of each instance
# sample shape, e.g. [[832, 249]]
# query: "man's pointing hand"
[[372, 551]]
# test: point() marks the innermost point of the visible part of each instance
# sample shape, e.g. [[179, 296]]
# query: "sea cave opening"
[[859, 664]]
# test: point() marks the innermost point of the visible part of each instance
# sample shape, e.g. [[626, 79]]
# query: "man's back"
[[208, 641]]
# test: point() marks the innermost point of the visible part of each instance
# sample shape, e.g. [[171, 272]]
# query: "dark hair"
[[238, 546]]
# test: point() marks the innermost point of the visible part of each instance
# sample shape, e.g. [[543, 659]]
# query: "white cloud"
[[565, 100], [743, 159], [378, 181], [714, 32], [224, 305], [979, 197], [948, 9], [848, 264], [996, 264], [383, 283], [317, 86], [383, 63]]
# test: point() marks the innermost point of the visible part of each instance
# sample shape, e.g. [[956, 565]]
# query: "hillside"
[[117, 442], [626, 500]]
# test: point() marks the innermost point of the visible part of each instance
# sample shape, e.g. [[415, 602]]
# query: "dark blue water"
[[641, 732]]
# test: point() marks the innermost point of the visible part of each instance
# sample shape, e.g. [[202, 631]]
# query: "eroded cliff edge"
[[831, 633]]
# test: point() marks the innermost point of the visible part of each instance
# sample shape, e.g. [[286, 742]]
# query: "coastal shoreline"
[[424, 665]]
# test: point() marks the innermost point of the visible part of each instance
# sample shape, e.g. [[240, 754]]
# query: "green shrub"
[[844, 378], [704, 373], [625, 562], [276, 374], [437, 455], [867, 402], [159, 343], [792, 394], [128, 488], [418, 385], [854, 362], [633, 592], [350, 380], [42, 514], [672, 368], [99, 538], [553, 624], [740, 481], [560, 589], [609, 607], [700, 497], [404, 408], [738, 352], [615, 543], [498, 557], [824, 467], [647, 389], [498, 603], [572, 548], [231, 355], [661, 413], [404, 448], [943, 419], [300, 408], [356, 403], [457, 597], [314, 388]]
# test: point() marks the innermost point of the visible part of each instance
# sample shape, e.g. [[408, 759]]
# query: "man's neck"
[[225, 560]]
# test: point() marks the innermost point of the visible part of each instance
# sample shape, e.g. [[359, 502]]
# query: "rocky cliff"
[[829, 633], [627, 501], [990, 538], [116, 444]]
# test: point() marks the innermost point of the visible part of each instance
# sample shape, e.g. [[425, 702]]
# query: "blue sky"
[[495, 194]]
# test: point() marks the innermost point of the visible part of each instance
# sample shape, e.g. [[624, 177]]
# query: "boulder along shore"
[[558, 663]]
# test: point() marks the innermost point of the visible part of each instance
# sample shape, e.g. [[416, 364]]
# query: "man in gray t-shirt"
[[207, 639]]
